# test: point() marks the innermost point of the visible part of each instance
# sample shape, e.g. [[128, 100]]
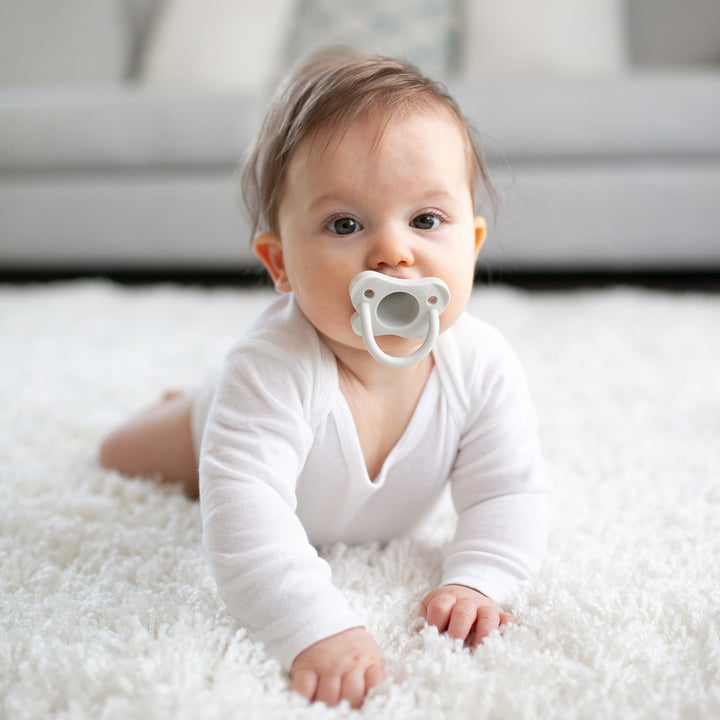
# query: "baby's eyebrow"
[[337, 197], [326, 199], [439, 195], [334, 202]]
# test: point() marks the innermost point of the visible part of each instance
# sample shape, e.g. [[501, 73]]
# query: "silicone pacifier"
[[392, 306]]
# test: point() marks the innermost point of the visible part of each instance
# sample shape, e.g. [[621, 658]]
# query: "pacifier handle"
[[401, 361]]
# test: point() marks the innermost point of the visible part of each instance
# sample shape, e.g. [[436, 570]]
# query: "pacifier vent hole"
[[369, 294], [432, 300], [398, 309]]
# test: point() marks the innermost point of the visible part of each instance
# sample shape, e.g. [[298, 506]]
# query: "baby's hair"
[[331, 89]]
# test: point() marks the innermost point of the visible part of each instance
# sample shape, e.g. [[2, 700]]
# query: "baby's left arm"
[[464, 613], [500, 494]]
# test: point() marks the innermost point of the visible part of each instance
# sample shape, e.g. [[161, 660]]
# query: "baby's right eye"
[[344, 226]]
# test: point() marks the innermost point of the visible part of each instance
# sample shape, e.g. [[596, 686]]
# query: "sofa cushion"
[[634, 116], [51, 42], [136, 127], [123, 127]]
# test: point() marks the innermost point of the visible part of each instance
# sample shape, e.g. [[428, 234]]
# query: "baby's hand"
[[342, 667], [461, 610]]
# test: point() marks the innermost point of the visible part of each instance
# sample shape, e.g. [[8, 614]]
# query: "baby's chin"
[[353, 344], [399, 346]]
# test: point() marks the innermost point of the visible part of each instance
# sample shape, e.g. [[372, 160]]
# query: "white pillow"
[[554, 37], [228, 45], [68, 42]]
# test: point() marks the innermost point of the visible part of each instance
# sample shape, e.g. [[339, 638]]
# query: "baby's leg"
[[156, 441]]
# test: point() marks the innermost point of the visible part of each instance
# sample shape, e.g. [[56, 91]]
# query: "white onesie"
[[281, 470]]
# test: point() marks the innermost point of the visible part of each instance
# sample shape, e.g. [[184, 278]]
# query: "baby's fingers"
[[438, 611], [374, 675], [305, 682], [488, 619], [357, 683], [329, 689], [463, 619]]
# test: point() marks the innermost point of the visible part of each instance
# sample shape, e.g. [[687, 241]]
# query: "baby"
[[306, 439]]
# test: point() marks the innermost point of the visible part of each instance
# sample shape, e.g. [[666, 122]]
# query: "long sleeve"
[[498, 484], [256, 441]]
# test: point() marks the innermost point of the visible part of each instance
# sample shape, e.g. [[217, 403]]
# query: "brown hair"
[[331, 89]]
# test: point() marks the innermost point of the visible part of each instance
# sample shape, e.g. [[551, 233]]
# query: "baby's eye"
[[344, 226], [426, 221]]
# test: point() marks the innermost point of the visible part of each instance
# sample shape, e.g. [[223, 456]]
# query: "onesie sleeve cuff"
[[321, 627], [498, 589]]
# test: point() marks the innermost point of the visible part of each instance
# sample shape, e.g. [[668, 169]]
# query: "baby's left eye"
[[426, 221]]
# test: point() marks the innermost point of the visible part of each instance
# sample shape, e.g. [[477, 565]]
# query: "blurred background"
[[122, 121]]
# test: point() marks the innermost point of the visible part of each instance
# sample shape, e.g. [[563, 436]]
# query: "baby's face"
[[401, 206]]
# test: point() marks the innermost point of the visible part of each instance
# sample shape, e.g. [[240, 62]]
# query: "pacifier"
[[393, 306]]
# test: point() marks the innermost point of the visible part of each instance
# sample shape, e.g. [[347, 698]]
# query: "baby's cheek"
[[453, 311]]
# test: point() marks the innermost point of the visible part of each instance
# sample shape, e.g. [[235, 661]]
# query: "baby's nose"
[[390, 249]]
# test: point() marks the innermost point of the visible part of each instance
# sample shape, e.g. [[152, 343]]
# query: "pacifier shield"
[[394, 306], [397, 306]]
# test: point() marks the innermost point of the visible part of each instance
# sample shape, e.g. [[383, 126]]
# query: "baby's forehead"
[[374, 127], [411, 157], [323, 153]]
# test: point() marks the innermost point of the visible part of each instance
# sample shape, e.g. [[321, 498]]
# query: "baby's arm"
[[465, 613], [342, 667], [500, 493], [266, 569]]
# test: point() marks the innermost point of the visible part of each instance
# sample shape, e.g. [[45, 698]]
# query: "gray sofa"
[[603, 173]]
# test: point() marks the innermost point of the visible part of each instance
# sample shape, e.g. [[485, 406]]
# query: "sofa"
[[109, 162]]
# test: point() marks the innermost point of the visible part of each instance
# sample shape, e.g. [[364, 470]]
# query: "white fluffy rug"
[[108, 609]]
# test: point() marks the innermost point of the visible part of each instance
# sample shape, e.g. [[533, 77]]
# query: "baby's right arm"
[[255, 444], [342, 667]]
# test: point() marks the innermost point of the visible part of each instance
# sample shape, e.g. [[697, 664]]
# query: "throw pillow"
[[555, 37], [228, 45]]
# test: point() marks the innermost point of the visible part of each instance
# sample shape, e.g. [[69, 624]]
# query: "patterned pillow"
[[425, 32]]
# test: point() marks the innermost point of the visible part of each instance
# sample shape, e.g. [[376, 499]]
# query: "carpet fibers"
[[107, 606]]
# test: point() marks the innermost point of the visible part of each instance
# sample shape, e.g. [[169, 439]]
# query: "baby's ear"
[[480, 232], [268, 248]]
